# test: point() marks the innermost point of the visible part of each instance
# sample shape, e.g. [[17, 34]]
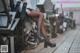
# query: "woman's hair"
[[22, 0]]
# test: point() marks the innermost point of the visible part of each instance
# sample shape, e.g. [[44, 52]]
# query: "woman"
[[36, 13]]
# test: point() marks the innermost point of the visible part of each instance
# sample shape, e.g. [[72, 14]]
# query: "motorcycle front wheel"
[[30, 41]]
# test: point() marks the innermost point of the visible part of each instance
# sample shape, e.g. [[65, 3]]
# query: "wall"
[[70, 5], [77, 17]]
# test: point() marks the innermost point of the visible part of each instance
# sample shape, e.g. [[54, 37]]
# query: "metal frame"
[[6, 12]]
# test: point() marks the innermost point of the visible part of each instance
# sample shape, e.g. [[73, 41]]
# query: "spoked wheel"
[[31, 42], [30, 39]]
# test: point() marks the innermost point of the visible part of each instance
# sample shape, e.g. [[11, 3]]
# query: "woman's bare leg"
[[41, 27], [43, 30], [39, 16]]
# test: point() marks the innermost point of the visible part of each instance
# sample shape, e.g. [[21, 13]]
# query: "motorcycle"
[[30, 39]]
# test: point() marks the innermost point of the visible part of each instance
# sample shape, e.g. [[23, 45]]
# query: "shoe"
[[47, 43]]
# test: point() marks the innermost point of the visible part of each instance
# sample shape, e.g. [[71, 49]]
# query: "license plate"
[[4, 48]]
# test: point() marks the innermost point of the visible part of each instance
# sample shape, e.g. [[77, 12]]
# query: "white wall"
[[70, 5], [67, 3], [77, 17]]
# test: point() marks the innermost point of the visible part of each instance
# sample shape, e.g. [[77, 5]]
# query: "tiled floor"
[[75, 47], [71, 44]]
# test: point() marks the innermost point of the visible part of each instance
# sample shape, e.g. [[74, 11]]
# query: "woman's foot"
[[48, 43]]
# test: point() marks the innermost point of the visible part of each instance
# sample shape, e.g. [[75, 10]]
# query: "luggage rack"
[[12, 28], [7, 29]]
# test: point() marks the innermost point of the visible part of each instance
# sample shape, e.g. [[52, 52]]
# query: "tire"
[[30, 41]]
